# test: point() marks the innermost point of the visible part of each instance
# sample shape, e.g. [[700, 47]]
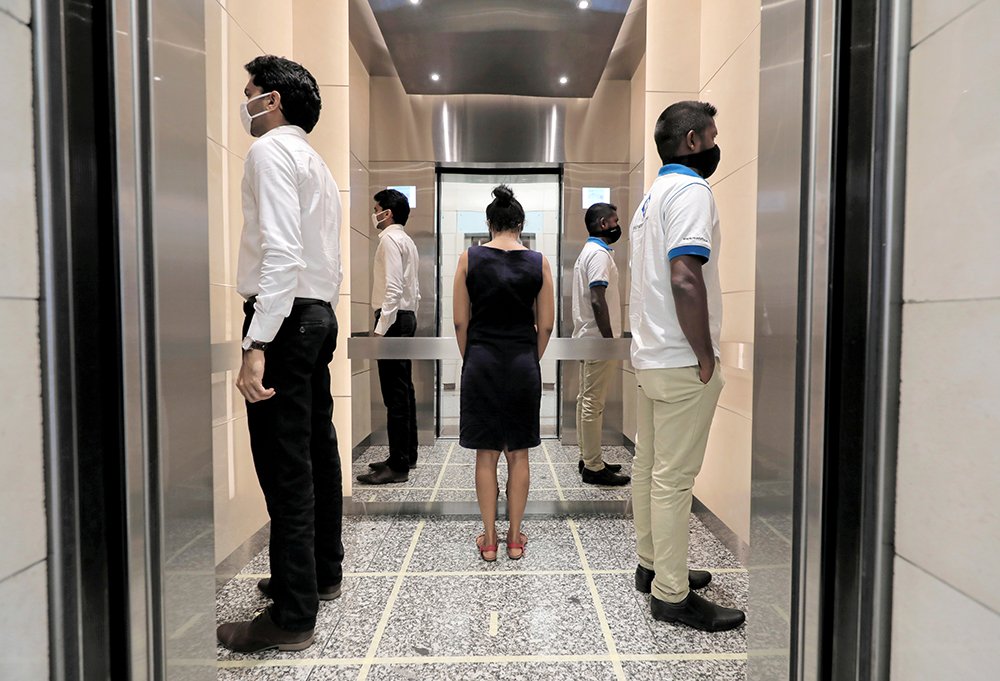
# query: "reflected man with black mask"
[[675, 315], [596, 314]]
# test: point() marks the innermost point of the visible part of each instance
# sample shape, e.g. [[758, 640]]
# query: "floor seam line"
[[444, 470], [390, 603], [602, 617], [500, 573], [552, 469]]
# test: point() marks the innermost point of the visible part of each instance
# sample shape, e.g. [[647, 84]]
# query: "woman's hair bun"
[[503, 195]]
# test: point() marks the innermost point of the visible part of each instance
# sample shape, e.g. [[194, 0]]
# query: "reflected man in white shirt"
[[596, 314], [289, 274], [395, 296]]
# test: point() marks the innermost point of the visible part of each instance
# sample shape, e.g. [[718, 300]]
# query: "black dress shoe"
[[613, 467], [697, 613], [326, 593], [383, 476], [261, 633], [697, 579], [606, 477], [376, 465]]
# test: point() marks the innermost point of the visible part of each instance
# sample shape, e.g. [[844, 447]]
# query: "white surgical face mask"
[[246, 117], [376, 218]]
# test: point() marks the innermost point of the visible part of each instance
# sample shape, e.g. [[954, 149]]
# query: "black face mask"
[[704, 162], [610, 235]]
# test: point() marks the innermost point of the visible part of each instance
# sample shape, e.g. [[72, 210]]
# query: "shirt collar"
[[600, 242], [394, 226], [285, 130], [678, 169]]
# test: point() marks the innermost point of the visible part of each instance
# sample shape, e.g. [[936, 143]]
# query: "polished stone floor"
[[445, 472], [418, 603]]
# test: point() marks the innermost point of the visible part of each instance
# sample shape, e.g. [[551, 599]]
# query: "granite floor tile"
[[389, 494], [335, 673], [610, 544], [595, 493], [289, 673], [467, 495], [449, 546], [636, 632], [450, 616], [378, 545], [512, 671], [425, 475], [687, 670]]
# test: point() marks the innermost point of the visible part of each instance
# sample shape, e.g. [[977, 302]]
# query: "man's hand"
[[706, 370], [250, 381]]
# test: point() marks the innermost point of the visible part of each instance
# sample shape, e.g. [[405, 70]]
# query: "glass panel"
[[462, 223]]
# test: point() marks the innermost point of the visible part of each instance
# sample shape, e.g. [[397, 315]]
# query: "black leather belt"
[[298, 302]]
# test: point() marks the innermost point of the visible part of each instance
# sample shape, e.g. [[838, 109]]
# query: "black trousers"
[[395, 377], [294, 447]]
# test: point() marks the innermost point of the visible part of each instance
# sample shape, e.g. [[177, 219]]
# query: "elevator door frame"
[[497, 169]]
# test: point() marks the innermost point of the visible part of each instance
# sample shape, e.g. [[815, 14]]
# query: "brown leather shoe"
[[261, 633], [326, 593]]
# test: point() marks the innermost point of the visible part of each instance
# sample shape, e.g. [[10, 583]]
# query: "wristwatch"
[[251, 344]]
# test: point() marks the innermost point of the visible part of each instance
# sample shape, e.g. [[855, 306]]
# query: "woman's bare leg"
[[518, 482], [486, 493]]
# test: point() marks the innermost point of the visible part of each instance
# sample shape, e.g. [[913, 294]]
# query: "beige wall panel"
[[17, 9], [362, 318], [218, 247], [948, 433], [656, 102], [342, 422], [736, 198], [24, 626], [269, 23], [737, 395], [331, 137], [361, 417], [241, 515], [346, 263], [360, 108], [953, 204], [400, 124], [928, 16], [735, 91], [21, 463], [939, 632], [18, 228], [361, 276], [737, 317], [673, 38], [220, 313], [241, 50], [216, 87], [235, 200], [597, 130], [316, 27], [725, 25], [637, 114], [361, 198], [724, 482]]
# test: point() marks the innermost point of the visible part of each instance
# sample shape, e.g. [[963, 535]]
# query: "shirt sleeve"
[[688, 221], [273, 183], [393, 254], [599, 269]]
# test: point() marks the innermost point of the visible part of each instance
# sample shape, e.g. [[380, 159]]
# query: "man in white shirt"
[[289, 273], [395, 296], [675, 310], [596, 314]]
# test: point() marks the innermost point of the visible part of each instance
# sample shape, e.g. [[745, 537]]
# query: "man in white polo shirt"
[[596, 314], [676, 316]]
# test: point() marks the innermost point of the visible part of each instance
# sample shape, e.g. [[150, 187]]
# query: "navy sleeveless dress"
[[501, 379]]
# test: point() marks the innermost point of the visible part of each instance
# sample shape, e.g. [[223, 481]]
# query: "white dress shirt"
[[677, 217], [394, 286], [290, 246], [595, 267]]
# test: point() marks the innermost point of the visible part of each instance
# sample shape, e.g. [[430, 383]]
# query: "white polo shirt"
[[595, 267], [677, 217]]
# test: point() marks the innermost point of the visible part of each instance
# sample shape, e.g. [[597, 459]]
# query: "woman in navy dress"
[[504, 314]]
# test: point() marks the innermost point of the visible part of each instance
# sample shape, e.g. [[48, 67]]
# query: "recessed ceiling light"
[[563, 80], [435, 76], [414, 2], [583, 4]]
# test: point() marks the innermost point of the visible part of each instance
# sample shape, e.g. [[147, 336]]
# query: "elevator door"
[[463, 197]]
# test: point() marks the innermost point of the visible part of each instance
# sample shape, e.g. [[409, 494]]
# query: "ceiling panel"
[[508, 47]]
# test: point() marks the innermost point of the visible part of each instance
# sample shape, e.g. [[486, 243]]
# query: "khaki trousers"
[[595, 377], [674, 416]]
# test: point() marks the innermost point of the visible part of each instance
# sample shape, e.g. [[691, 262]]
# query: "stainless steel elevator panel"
[[576, 176]]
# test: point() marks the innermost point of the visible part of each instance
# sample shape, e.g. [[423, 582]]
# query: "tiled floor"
[[446, 472], [419, 604]]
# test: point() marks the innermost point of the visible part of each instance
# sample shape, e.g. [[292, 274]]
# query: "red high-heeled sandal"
[[483, 549], [524, 542]]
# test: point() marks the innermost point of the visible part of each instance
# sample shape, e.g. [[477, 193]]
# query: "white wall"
[[946, 602], [23, 564]]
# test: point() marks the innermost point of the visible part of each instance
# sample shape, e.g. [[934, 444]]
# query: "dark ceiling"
[[508, 47]]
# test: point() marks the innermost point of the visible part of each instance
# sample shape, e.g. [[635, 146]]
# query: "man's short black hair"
[[300, 100], [676, 121], [598, 212], [396, 201]]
